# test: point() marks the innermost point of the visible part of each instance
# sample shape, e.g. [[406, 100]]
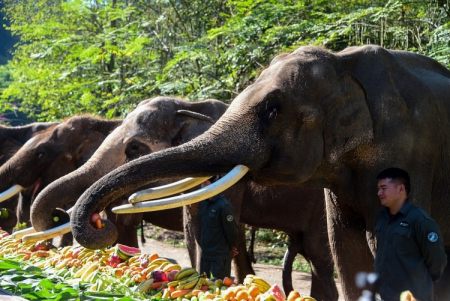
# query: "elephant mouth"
[[138, 199], [16, 189], [36, 188]]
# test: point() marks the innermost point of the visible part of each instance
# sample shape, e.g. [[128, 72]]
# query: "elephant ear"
[[192, 124], [87, 147], [348, 120]]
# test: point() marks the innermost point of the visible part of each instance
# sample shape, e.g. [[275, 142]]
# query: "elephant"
[[49, 155], [163, 122], [315, 118], [11, 139]]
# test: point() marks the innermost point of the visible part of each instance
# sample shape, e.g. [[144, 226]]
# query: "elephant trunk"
[[209, 154], [64, 192]]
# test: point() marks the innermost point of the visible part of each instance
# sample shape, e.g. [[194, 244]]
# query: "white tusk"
[[165, 190], [10, 192], [189, 198], [47, 234], [20, 234]]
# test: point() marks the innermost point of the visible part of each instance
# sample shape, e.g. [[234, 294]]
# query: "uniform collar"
[[406, 207], [403, 211]]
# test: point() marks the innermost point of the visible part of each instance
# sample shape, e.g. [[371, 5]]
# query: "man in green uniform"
[[410, 253], [218, 233]]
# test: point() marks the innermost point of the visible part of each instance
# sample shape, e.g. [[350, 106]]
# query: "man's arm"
[[430, 243]]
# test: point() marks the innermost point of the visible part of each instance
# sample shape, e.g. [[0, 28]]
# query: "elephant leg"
[[442, 287], [241, 262], [189, 228], [251, 247], [289, 256], [317, 251], [348, 245]]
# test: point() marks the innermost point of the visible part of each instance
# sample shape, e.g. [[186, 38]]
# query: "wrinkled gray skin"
[[50, 154], [332, 120], [155, 124], [159, 123], [11, 140]]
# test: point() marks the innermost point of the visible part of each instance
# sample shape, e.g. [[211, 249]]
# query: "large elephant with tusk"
[[316, 118], [163, 122], [11, 140], [49, 155]]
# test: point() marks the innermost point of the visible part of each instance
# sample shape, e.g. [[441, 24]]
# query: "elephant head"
[[317, 118], [286, 127], [51, 154], [11, 139], [155, 124]]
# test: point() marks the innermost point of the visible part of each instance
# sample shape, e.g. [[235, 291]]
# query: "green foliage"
[[105, 56]]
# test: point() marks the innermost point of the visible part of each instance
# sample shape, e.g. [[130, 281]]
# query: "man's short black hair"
[[397, 174]]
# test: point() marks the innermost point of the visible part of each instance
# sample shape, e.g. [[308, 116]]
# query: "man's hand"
[[234, 252]]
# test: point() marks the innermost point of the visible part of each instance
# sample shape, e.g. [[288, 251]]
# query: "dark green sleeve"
[[430, 243], [229, 224]]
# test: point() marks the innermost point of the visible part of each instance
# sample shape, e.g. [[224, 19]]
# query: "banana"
[[91, 277], [89, 271], [144, 286], [158, 261], [184, 273], [162, 265], [171, 267], [81, 270], [189, 284], [173, 283], [200, 282]]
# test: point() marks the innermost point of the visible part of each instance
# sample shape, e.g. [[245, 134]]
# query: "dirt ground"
[[301, 281]]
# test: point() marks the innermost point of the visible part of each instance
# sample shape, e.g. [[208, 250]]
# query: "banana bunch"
[[185, 273], [260, 283], [187, 278]]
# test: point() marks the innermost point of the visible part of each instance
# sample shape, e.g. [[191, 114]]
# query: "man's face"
[[390, 192]]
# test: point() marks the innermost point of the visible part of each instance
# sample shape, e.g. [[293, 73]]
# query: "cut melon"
[[125, 252]]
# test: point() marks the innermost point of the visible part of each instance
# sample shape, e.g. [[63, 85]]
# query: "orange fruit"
[[293, 295], [253, 291], [242, 295], [227, 281], [152, 257]]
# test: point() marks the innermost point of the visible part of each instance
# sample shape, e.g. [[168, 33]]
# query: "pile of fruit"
[[123, 272]]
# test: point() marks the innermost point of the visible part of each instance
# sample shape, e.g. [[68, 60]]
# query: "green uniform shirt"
[[218, 228], [410, 253]]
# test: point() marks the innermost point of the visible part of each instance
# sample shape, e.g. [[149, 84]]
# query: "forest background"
[[105, 56]]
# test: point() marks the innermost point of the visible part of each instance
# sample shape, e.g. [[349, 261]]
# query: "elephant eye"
[[40, 155], [135, 149]]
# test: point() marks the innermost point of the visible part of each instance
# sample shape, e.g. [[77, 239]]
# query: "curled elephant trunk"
[[46, 211], [207, 155]]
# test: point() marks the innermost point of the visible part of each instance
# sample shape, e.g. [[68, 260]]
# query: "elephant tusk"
[[22, 233], [10, 192], [47, 234], [189, 198], [165, 190]]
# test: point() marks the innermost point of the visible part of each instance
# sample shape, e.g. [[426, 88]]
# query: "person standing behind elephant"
[[218, 236], [410, 253]]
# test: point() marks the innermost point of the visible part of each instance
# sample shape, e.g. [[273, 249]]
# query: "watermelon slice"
[[125, 252], [277, 292]]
